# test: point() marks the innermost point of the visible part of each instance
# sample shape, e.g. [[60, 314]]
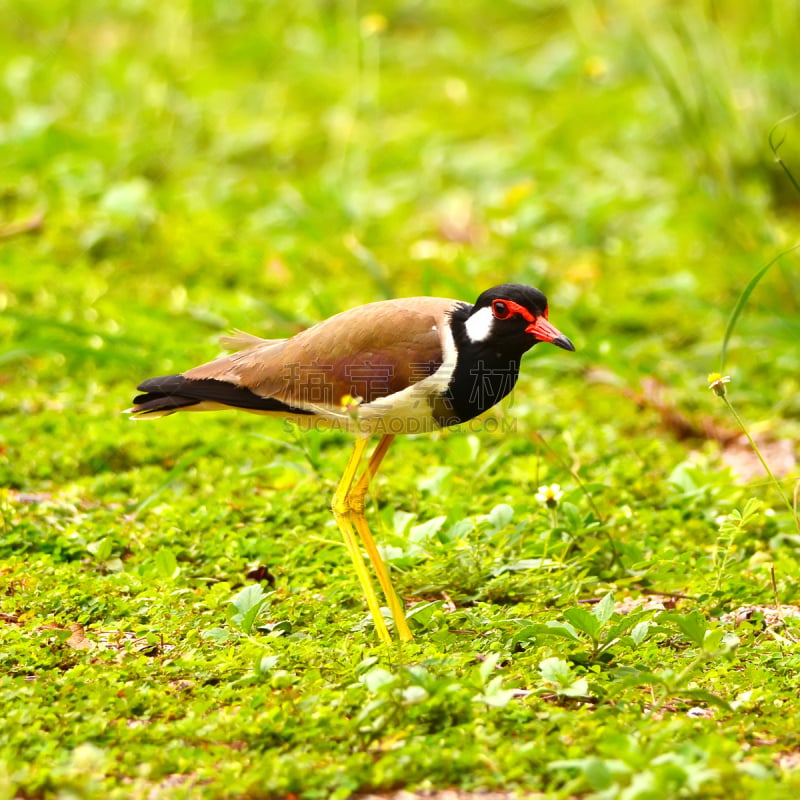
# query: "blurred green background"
[[263, 165], [170, 170], [190, 167]]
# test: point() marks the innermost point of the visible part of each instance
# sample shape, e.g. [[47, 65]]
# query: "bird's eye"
[[500, 310]]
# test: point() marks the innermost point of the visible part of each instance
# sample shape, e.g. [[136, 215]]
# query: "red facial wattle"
[[538, 327]]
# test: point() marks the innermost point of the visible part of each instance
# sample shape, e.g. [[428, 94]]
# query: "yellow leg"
[[341, 512], [356, 499]]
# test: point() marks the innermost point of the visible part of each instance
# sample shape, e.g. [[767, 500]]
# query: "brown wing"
[[257, 365], [369, 352]]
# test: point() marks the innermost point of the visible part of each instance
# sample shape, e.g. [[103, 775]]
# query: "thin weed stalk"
[[716, 383]]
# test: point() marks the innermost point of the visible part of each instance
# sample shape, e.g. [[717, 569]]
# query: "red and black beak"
[[545, 332]]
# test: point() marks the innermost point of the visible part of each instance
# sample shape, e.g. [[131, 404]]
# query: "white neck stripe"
[[479, 325]]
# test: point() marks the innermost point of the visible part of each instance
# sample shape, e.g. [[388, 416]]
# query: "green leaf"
[[730, 641], [500, 516], [555, 670], [426, 530], [248, 597], [706, 697], [414, 695], [552, 628], [597, 774], [166, 564], [558, 672], [693, 626], [604, 609], [377, 678], [101, 549], [523, 635], [265, 664], [401, 522], [487, 666], [572, 517], [626, 623], [281, 627], [423, 613], [435, 480], [630, 677], [751, 509], [245, 606], [713, 639], [579, 687], [130, 200], [217, 594], [459, 529], [563, 629], [217, 635], [639, 631], [584, 621], [494, 695]]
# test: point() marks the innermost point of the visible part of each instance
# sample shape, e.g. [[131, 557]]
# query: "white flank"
[[479, 325]]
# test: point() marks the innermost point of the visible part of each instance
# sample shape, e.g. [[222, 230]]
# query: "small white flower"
[[549, 495]]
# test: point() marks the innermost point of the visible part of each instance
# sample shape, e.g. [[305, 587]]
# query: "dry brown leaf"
[[789, 760], [78, 639], [740, 457], [772, 615], [736, 453]]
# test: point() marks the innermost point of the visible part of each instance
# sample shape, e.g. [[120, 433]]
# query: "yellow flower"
[[716, 382], [373, 23], [350, 404]]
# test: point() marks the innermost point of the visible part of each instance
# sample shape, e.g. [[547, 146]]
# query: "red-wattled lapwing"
[[398, 366]]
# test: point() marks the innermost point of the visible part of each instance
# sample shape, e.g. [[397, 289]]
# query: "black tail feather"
[[169, 393], [160, 404]]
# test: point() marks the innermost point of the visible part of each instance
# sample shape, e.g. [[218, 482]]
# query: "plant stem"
[[764, 464], [553, 524]]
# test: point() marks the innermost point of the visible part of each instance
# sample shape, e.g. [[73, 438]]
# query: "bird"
[[392, 367]]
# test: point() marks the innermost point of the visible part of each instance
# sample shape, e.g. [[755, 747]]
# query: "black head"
[[512, 318]]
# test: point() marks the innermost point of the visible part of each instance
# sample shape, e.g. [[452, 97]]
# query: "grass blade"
[[775, 147], [743, 298]]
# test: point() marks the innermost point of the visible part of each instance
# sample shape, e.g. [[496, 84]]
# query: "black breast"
[[480, 380]]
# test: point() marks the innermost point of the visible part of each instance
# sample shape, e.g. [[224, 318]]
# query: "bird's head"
[[512, 317]]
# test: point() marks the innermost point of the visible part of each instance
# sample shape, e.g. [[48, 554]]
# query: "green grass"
[[179, 618]]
